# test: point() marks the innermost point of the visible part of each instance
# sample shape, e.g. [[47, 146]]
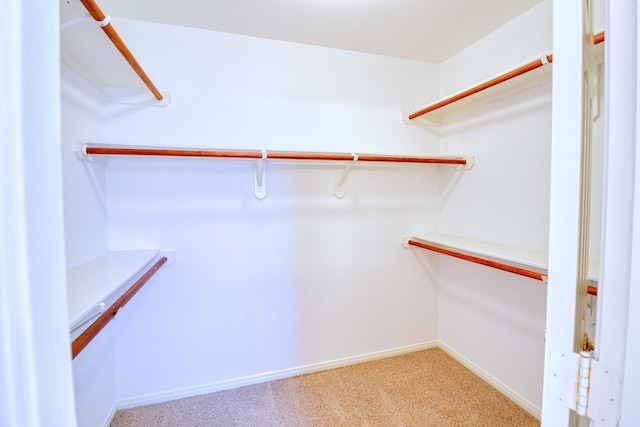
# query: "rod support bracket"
[[80, 152], [260, 178], [425, 120], [404, 241], [471, 161], [171, 255], [340, 176], [139, 97]]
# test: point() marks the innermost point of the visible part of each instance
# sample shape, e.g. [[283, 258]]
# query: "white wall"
[[85, 215], [493, 319], [245, 92], [520, 40], [496, 320], [86, 238], [296, 279]]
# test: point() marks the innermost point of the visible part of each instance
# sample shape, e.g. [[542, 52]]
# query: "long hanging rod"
[[90, 150], [591, 290], [108, 29], [90, 333], [537, 63]]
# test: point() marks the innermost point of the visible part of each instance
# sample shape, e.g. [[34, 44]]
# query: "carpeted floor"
[[425, 388]]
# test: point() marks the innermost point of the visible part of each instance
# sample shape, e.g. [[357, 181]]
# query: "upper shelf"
[[103, 61], [529, 74], [96, 281], [533, 264]]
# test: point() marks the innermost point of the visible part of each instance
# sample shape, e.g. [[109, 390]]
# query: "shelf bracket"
[[260, 178], [170, 255], [471, 160], [340, 176], [123, 95], [422, 120]]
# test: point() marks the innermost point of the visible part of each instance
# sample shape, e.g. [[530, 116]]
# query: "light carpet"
[[425, 388]]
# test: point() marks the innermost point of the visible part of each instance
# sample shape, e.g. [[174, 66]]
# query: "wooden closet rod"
[[88, 334], [89, 150], [498, 265], [591, 290], [170, 152], [108, 29], [598, 38]]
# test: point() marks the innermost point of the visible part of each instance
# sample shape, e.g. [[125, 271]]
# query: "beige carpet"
[[425, 388]]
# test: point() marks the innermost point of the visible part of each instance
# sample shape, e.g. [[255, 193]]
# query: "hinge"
[[585, 385]]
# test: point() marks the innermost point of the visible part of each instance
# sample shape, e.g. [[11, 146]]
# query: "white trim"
[[111, 415], [36, 387], [268, 376], [525, 404], [630, 405], [568, 219], [618, 216]]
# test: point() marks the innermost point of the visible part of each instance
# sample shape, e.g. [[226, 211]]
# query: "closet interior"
[[327, 265]]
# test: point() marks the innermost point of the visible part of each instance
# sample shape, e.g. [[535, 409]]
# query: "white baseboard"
[[111, 415], [268, 376], [499, 385]]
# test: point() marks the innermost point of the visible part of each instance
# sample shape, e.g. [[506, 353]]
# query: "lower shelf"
[[524, 262], [80, 342], [90, 285]]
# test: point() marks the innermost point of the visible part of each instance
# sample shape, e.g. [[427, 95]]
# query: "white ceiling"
[[428, 30]]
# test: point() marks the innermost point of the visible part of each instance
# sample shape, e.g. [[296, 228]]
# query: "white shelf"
[[98, 280], [515, 257], [515, 85], [506, 83], [85, 48]]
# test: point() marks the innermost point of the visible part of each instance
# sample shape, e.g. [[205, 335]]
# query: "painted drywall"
[[243, 92], [503, 199], [301, 277], [494, 322], [94, 381], [85, 215], [521, 40], [86, 238], [524, 38]]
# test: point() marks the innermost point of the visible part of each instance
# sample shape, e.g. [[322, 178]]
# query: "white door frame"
[[617, 338], [35, 365], [568, 236], [619, 220]]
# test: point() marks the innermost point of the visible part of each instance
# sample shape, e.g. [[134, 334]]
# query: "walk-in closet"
[[243, 202], [288, 250]]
